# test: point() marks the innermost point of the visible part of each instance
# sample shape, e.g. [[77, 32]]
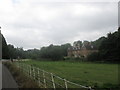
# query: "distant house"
[[81, 50]]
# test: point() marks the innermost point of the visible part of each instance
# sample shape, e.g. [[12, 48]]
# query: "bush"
[[94, 57]]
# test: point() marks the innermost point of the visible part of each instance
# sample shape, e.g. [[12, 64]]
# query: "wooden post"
[[66, 84], [90, 88], [44, 78], [34, 73], [38, 76], [30, 71], [53, 81], [18, 66], [21, 67]]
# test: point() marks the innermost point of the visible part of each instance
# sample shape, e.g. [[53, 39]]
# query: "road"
[[7, 78], [0, 75]]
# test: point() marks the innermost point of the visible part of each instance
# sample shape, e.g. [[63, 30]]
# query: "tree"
[[96, 44], [54, 52], [5, 53], [77, 44], [64, 48], [11, 51], [109, 48]]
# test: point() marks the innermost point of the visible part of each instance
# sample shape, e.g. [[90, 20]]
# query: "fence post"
[[53, 81], [38, 76], [30, 70], [66, 84], [33, 73], [44, 78], [90, 88], [18, 65], [21, 67]]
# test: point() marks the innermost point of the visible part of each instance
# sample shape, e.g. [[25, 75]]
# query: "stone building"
[[81, 50]]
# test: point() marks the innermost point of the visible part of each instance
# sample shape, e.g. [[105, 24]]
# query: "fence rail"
[[46, 79]]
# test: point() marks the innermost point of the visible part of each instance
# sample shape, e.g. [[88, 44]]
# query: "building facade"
[[81, 50]]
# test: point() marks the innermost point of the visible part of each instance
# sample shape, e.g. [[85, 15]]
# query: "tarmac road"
[[0, 75], [7, 79]]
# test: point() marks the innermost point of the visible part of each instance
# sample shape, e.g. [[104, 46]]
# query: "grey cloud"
[[43, 24]]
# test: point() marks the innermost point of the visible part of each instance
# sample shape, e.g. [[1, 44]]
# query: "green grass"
[[85, 73]]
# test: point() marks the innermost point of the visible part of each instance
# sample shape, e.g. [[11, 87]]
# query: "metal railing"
[[46, 79]]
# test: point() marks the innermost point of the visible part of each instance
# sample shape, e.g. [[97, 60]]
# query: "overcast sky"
[[36, 23]]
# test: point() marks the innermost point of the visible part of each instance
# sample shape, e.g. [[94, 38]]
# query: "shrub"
[[94, 56]]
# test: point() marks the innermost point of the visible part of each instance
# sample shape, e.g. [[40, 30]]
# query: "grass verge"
[[22, 80]]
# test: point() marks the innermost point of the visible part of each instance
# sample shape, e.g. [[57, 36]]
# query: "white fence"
[[46, 79]]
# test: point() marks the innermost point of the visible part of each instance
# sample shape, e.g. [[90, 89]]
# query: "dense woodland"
[[108, 50]]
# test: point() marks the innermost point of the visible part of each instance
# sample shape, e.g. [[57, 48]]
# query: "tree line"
[[108, 50], [51, 52]]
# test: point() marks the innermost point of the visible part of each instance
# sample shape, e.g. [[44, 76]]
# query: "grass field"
[[85, 73]]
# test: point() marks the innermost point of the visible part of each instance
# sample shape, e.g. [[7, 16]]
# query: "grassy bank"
[[22, 80], [85, 73]]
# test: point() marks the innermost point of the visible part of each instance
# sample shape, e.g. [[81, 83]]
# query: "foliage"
[[94, 57], [5, 53], [109, 48], [89, 45], [51, 52], [16, 52], [32, 54], [54, 52], [78, 44], [96, 44]]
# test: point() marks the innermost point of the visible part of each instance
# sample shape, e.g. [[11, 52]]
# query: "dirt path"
[[7, 79]]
